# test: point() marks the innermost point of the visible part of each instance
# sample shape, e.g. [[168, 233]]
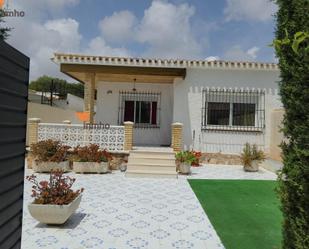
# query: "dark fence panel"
[[14, 79]]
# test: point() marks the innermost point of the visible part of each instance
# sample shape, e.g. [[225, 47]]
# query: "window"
[[140, 108], [233, 110]]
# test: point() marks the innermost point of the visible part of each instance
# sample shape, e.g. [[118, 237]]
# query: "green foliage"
[[44, 84], [291, 46], [4, 31], [186, 157], [251, 153]]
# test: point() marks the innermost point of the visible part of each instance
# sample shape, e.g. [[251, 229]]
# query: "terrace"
[[121, 212]]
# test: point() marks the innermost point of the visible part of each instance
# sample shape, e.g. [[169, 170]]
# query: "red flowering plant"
[[90, 153], [198, 156], [56, 191], [49, 151]]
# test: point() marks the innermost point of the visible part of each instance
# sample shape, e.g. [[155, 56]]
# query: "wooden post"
[[33, 127], [89, 96], [177, 136], [128, 135]]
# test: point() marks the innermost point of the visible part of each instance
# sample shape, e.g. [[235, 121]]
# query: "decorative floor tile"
[[137, 243], [127, 213]]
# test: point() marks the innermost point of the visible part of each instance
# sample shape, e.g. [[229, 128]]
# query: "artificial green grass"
[[245, 214]]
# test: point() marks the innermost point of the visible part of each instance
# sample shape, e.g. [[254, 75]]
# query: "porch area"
[[127, 89]]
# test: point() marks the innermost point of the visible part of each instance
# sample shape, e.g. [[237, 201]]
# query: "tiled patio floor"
[[119, 212]]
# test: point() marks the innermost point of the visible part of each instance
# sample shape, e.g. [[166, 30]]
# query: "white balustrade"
[[111, 138]]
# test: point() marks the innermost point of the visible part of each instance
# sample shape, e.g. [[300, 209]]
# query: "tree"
[[60, 86], [292, 49], [4, 31]]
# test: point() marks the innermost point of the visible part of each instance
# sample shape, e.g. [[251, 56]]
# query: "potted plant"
[[49, 155], [54, 200], [251, 157], [185, 160], [198, 158], [90, 159]]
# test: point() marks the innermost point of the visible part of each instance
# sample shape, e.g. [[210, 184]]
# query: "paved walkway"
[[119, 212]]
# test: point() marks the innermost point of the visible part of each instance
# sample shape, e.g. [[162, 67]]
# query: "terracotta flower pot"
[[54, 214], [90, 167], [254, 167], [49, 166], [184, 168]]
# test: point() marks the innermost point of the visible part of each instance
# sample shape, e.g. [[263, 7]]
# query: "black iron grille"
[[142, 108], [228, 109]]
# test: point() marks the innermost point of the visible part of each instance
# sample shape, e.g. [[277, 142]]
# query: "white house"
[[221, 104]]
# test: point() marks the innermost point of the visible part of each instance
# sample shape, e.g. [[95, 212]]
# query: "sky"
[[239, 30]]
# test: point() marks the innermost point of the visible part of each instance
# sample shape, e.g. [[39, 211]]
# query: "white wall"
[[72, 103], [108, 109], [188, 107]]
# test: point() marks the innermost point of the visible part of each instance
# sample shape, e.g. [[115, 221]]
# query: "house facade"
[[222, 105]]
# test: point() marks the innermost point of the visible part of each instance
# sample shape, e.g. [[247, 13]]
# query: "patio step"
[[149, 173], [151, 164]]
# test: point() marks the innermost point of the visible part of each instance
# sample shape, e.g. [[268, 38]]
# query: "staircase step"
[[152, 155], [150, 173], [151, 163], [138, 160], [152, 168]]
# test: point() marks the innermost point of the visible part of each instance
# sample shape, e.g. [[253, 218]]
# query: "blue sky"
[[197, 29]]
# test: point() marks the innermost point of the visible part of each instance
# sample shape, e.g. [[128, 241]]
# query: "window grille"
[[142, 108], [228, 109]]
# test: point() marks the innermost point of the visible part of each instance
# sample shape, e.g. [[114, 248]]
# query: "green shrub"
[[292, 49], [251, 153], [185, 157]]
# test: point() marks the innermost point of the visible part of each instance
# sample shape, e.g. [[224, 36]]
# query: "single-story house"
[[221, 104]]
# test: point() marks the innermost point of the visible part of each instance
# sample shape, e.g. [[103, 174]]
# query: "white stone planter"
[[254, 167], [54, 214], [90, 167], [49, 166], [185, 168]]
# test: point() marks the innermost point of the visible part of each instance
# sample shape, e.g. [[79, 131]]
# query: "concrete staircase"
[[151, 163]]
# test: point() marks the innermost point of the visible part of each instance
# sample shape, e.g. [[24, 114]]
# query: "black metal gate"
[[14, 79]]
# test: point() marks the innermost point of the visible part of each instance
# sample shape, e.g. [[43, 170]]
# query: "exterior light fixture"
[[134, 89]]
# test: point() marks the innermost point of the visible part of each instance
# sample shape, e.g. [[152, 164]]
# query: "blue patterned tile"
[[159, 218], [118, 232], [137, 243], [78, 231], [101, 224], [196, 219], [46, 241], [202, 235], [179, 226], [109, 210], [124, 217], [182, 244], [142, 211], [159, 205], [173, 201], [128, 204], [160, 234], [140, 224], [176, 212], [92, 242]]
